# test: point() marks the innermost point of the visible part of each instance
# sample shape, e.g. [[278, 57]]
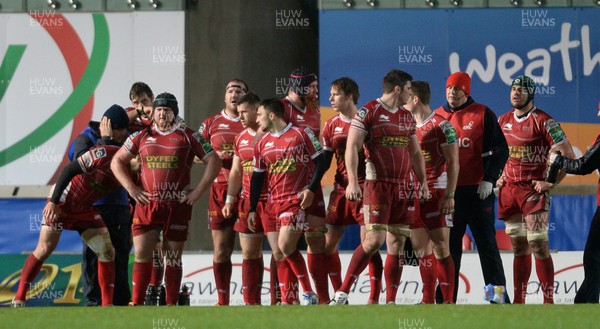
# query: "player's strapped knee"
[[538, 235], [102, 246], [515, 230], [375, 227], [317, 231], [399, 230]]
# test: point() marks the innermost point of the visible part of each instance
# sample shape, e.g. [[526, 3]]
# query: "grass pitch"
[[293, 317]]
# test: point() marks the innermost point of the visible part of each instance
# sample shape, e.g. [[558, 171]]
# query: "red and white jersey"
[[96, 181], [302, 117], [335, 135], [529, 139], [434, 133], [167, 158], [243, 148], [389, 132], [220, 131], [287, 158]]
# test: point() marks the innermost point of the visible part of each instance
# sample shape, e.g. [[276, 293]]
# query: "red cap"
[[461, 80]]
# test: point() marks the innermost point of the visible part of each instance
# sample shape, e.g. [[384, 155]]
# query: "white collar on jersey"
[[226, 116], [344, 119], [175, 126], [426, 120], [526, 115], [251, 132], [385, 106], [303, 110], [278, 134]]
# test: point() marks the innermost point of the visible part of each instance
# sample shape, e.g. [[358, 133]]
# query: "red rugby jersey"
[[334, 138], [96, 181], [167, 158], [302, 117], [220, 131], [388, 135], [243, 148], [529, 139], [435, 133], [287, 158]]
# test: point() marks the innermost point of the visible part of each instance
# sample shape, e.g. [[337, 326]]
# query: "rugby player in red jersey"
[[251, 234], [302, 111], [70, 207], [341, 212], [387, 132], [433, 220], [165, 197], [220, 131], [523, 199], [292, 160]]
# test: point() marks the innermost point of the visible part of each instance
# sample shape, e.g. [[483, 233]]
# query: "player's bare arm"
[[450, 153], [234, 185], [418, 165], [119, 166], [354, 143], [213, 165]]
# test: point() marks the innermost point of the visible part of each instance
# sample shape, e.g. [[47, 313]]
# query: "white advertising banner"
[[198, 275], [59, 71]]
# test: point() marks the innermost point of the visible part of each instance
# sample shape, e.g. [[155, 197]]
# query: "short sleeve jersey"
[[388, 134], [434, 134], [167, 158], [286, 157], [529, 139], [302, 117], [220, 131], [334, 138], [97, 179], [243, 149]]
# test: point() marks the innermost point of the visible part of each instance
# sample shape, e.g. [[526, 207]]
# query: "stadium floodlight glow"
[[433, 3], [455, 3], [154, 4], [515, 3], [538, 3], [53, 4], [348, 3], [74, 4], [132, 4], [371, 3]]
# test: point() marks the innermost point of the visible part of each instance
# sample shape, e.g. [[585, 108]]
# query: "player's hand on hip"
[[353, 192], [485, 189], [140, 196], [541, 186], [51, 211], [306, 198]]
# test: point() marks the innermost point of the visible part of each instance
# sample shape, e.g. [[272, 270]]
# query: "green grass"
[[293, 317]]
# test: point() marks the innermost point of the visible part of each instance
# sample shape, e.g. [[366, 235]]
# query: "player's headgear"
[[300, 78], [166, 100], [526, 82], [461, 80], [118, 117]]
